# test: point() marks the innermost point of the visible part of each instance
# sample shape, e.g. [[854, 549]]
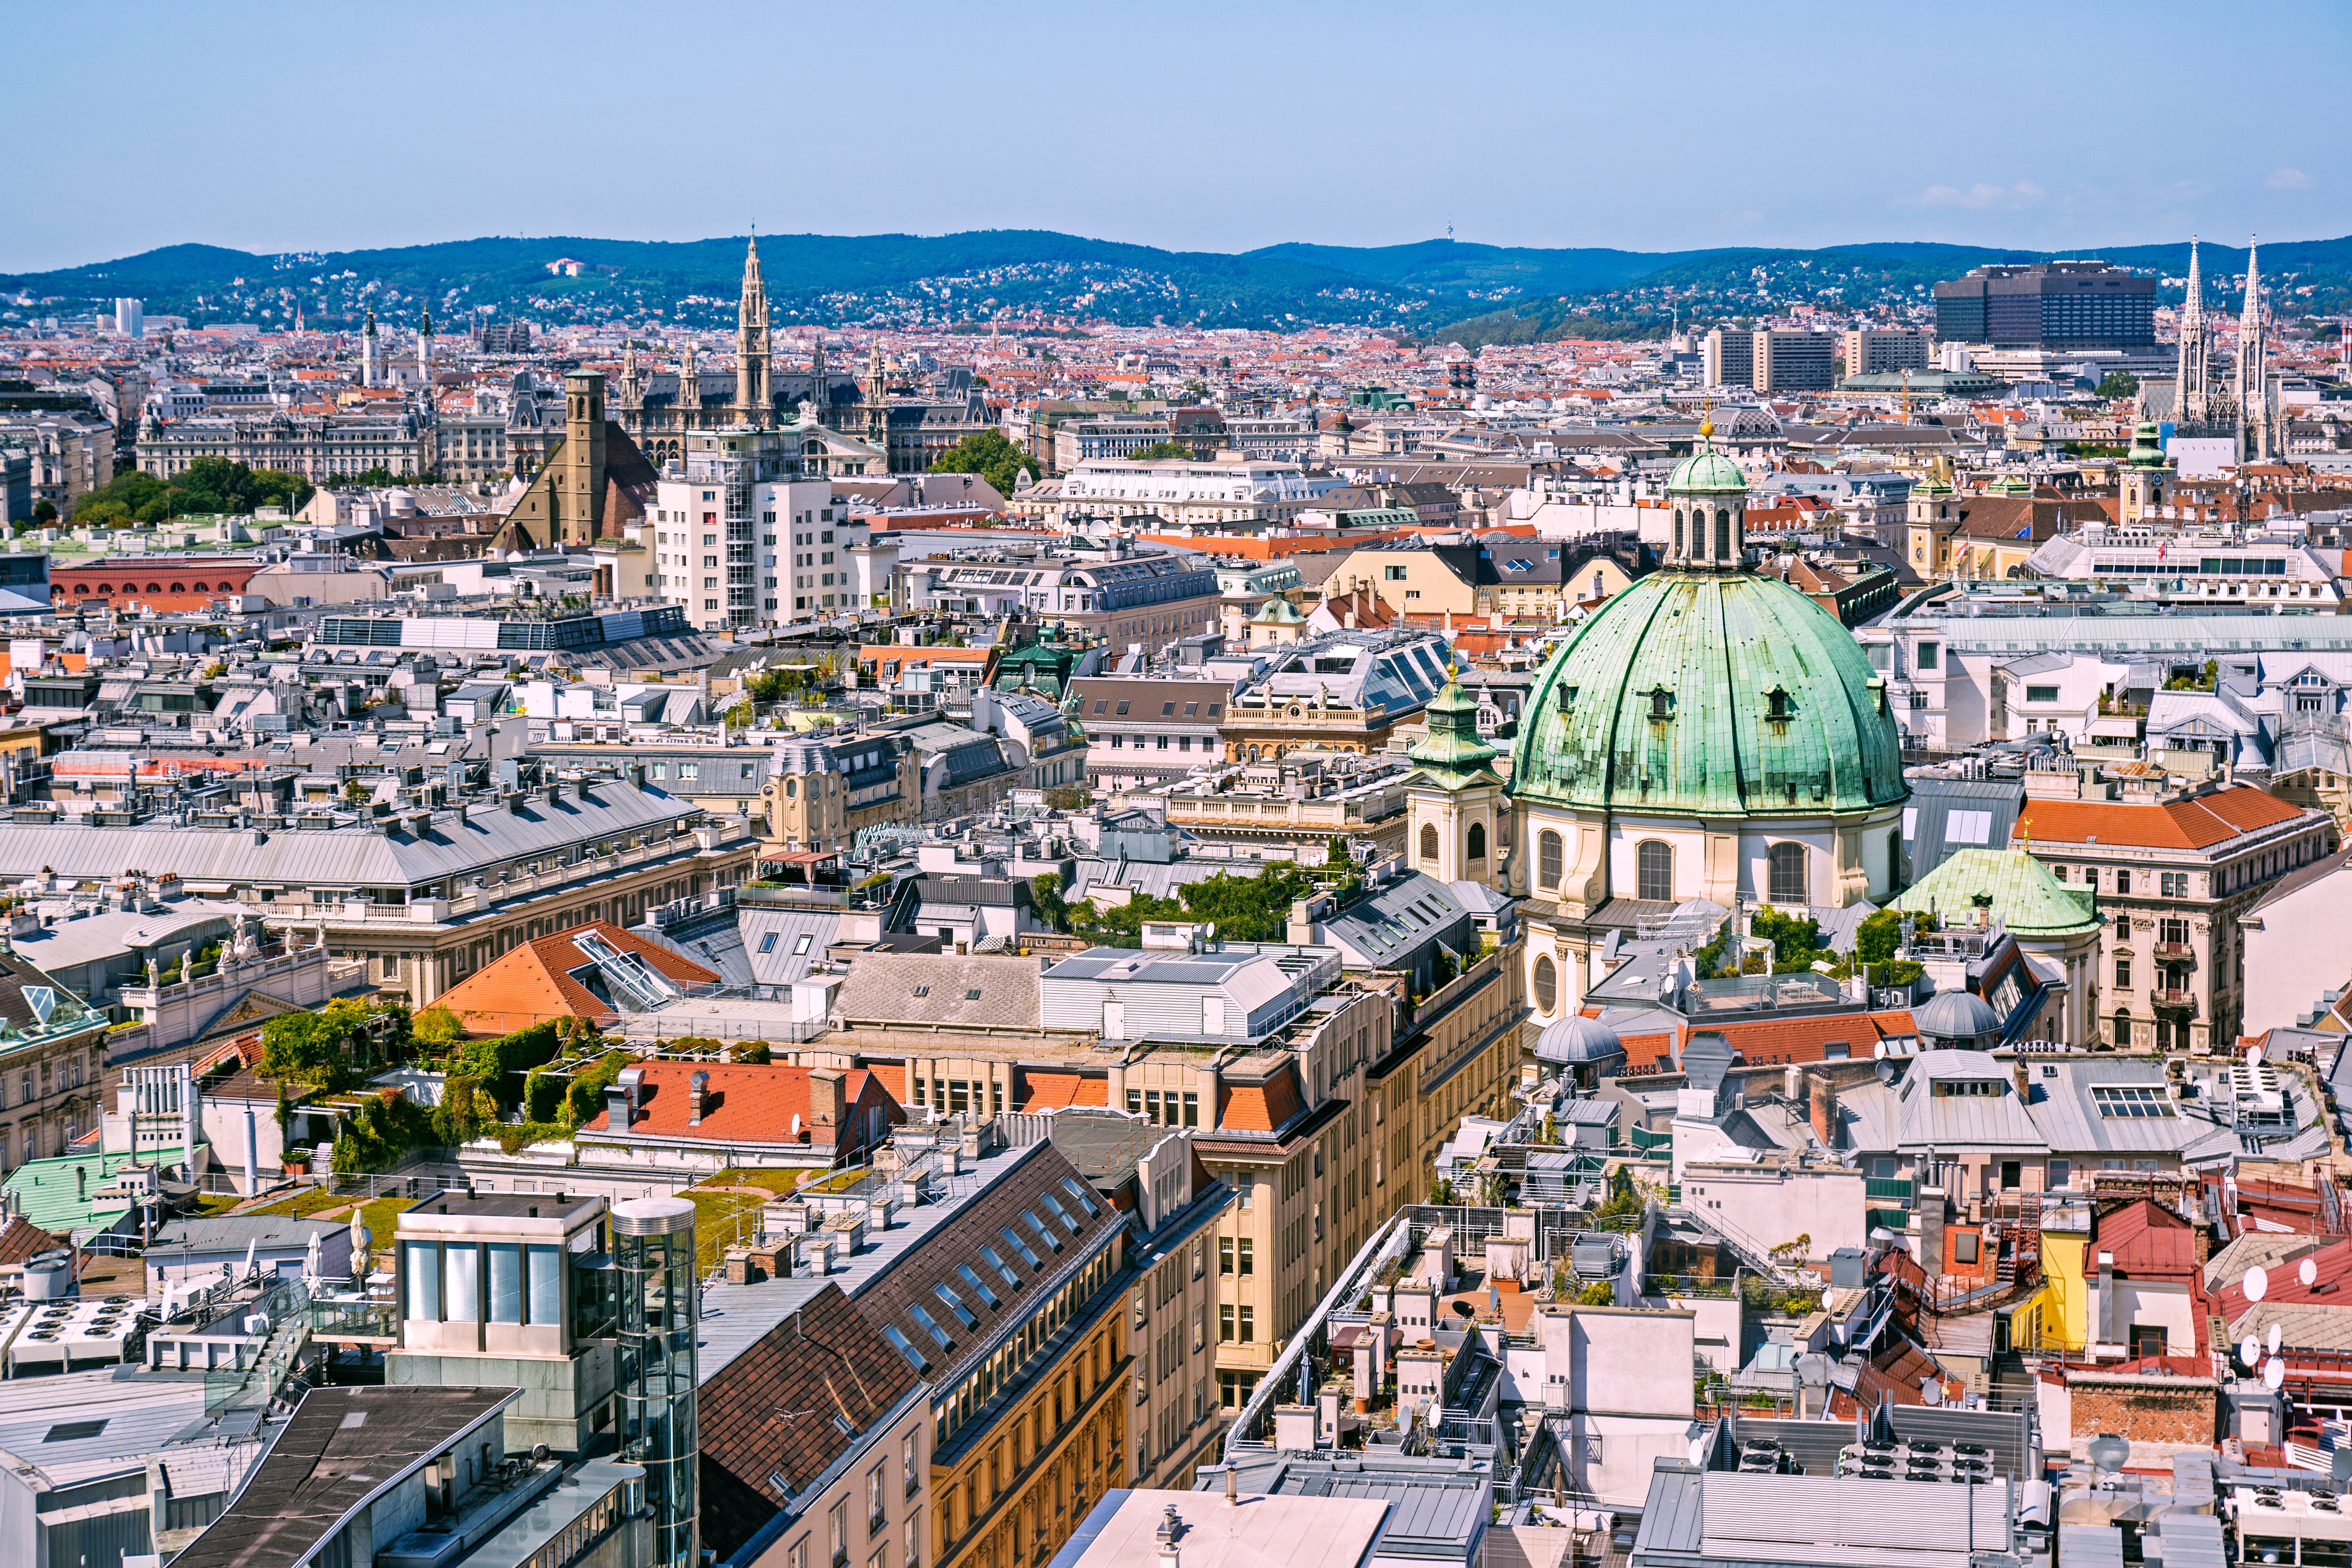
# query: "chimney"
[[1825, 1109], [698, 1094], [825, 1105]]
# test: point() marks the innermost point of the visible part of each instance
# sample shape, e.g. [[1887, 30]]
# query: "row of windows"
[[1787, 873]]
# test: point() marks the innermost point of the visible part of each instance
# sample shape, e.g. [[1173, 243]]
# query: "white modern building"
[[1218, 494]]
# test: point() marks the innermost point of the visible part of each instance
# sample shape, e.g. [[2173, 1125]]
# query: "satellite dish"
[[2339, 1465], [2255, 1055], [2308, 1271], [1931, 1390], [2274, 1339], [2273, 1373], [1699, 1452], [2257, 1283], [1465, 1309], [2251, 1351]]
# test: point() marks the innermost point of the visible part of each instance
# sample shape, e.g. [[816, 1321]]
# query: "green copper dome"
[[1706, 470], [1710, 694]]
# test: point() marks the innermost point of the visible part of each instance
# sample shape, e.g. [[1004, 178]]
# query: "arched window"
[[1547, 858], [1547, 983], [1429, 842], [179, 587], [2123, 1028], [106, 587], [154, 587], [1678, 530], [200, 588], [1477, 847], [791, 789], [1723, 535], [1786, 881], [1653, 870]]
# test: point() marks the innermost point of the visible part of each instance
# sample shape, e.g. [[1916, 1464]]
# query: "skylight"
[[2132, 1102]]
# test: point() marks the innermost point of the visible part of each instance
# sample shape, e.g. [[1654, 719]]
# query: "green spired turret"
[[1452, 752]]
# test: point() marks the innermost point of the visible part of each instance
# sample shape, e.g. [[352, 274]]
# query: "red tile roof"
[[2195, 823], [2145, 1239], [790, 1405]]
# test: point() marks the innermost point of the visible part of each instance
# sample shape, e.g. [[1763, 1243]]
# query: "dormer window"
[[1567, 698], [1775, 706], [1662, 704]]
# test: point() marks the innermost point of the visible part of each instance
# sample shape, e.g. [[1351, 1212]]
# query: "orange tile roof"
[[1259, 1108], [533, 983], [2195, 823], [1061, 1091], [746, 1103]]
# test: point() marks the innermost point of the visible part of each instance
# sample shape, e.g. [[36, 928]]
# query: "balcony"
[[2172, 1000], [2177, 952]]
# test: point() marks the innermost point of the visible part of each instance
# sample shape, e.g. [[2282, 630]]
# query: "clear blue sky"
[[1210, 126]]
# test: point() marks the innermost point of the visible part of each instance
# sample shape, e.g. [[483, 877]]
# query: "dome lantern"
[[1707, 495]]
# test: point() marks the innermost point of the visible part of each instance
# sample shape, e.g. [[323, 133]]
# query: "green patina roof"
[[1452, 752], [2026, 898], [1718, 645], [2147, 449], [1706, 470], [54, 1193]]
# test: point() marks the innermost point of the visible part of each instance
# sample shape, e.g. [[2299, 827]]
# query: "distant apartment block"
[[1874, 352], [2049, 304]]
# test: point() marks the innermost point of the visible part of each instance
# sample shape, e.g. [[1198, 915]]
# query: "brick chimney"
[[1825, 1109], [697, 1094], [827, 1105]]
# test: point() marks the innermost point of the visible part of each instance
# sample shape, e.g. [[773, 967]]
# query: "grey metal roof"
[[1672, 1518], [325, 1464], [340, 858], [1839, 1520], [1385, 928], [735, 1317], [138, 1417], [801, 938], [1927, 825], [521, 1538], [224, 1232]]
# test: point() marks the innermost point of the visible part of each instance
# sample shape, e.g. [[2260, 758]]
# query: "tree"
[[1600, 1293], [1162, 451], [209, 485], [1796, 941], [1045, 892], [2118, 384], [1335, 853], [44, 512], [437, 1028], [988, 454]]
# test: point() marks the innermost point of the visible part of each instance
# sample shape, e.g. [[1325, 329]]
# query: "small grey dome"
[[1576, 1040], [1955, 1016]]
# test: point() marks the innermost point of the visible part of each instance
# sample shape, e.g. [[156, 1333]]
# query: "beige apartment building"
[[2173, 874]]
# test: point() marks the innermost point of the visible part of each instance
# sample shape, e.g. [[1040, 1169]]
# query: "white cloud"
[[2288, 180], [1981, 197]]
